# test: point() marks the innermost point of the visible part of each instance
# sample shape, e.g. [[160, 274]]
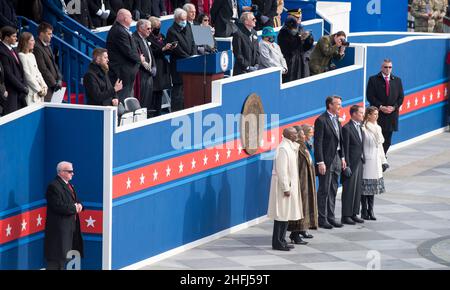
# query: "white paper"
[[58, 96]]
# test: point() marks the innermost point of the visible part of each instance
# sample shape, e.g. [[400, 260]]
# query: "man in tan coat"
[[439, 10], [285, 200]]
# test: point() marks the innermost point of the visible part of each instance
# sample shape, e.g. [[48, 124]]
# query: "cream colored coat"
[[373, 151], [285, 178], [34, 80]]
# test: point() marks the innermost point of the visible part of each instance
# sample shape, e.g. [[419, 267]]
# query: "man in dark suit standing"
[[329, 157], [385, 91], [246, 45], [13, 71], [99, 90], [62, 226], [147, 69], [352, 176], [223, 15], [46, 60], [181, 33], [123, 55]]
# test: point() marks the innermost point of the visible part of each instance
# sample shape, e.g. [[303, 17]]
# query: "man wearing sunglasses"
[[62, 226], [385, 91]]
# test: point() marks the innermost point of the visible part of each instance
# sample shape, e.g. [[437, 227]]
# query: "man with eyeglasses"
[[246, 45], [385, 91], [62, 226]]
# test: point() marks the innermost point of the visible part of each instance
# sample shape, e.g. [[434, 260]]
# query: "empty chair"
[[131, 104], [126, 118], [140, 115]]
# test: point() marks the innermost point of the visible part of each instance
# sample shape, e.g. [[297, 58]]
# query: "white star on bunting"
[[431, 97], [128, 183], [228, 153], [408, 104], [24, 225], [416, 101], [439, 94], [8, 230], [90, 222], [401, 108], [193, 163], [180, 167], [205, 160], [142, 178], [423, 99], [155, 175], [39, 220], [217, 156], [239, 149], [168, 170]]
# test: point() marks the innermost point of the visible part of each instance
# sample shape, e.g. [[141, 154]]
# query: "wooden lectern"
[[198, 72]]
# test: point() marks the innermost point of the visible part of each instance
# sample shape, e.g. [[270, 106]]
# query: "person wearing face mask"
[[285, 202], [180, 33], [270, 53], [328, 48], [296, 45]]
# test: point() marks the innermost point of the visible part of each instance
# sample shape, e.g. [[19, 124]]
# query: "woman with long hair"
[[375, 163], [37, 88]]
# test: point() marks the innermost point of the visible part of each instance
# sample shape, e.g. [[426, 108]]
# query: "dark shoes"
[[347, 220], [372, 216], [281, 248], [325, 225], [295, 239], [357, 219], [306, 235], [335, 223]]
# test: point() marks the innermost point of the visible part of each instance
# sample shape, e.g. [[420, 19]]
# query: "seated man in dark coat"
[[295, 44], [99, 90], [246, 46], [181, 33]]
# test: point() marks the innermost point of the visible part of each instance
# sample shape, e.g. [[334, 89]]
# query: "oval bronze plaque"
[[252, 124]]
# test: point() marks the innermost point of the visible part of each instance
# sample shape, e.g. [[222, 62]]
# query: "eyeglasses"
[[69, 171], [205, 20], [387, 66], [253, 19]]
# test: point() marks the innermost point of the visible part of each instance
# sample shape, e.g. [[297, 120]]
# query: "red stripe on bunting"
[[32, 222]]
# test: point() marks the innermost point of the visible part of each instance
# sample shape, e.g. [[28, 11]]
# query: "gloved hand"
[[252, 68], [147, 66], [385, 166], [105, 14], [153, 70], [347, 172]]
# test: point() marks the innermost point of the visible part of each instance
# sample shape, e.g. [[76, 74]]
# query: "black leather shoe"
[[347, 220], [325, 226], [295, 239], [357, 219], [365, 217], [281, 248], [372, 217], [306, 235], [335, 224]]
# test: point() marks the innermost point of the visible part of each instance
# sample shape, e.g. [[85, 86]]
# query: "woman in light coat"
[[285, 203], [33, 77], [270, 54], [375, 163]]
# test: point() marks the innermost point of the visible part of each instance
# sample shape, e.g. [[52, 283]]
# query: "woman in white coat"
[[33, 77], [375, 163], [285, 203]]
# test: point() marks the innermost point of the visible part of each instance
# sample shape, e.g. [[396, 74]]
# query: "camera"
[[345, 43]]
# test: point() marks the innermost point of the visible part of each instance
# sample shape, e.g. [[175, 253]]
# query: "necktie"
[[71, 191], [15, 55], [335, 124], [386, 79], [358, 128]]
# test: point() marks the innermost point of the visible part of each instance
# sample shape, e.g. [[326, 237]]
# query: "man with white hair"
[[180, 33], [147, 70], [123, 54], [62, 226], [190, 10]]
